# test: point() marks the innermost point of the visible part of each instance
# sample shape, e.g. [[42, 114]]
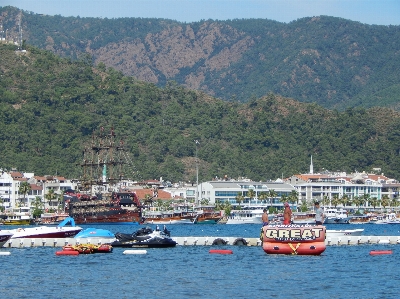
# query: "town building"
[[228, 190]]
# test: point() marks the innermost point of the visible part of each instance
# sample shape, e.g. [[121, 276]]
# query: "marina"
[[217, 235], [199, 241], [203, 270]]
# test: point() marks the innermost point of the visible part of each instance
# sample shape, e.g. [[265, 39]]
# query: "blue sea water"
[[191, 272]]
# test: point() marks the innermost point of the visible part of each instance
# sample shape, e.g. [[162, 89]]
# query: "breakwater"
[[199, 241]]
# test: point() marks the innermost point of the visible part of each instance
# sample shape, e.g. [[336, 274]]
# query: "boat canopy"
[[67, 220]]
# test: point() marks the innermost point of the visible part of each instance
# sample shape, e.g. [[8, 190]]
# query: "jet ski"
[[145, 237]]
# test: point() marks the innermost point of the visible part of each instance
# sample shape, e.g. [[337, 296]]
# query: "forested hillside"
[[51, 105], [333, 62]]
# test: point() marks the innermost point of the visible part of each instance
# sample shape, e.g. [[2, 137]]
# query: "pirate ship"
[[100, 196]]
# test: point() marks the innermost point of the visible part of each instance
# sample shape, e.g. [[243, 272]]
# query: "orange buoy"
[[221, 251], [378, 252], [67, 252]]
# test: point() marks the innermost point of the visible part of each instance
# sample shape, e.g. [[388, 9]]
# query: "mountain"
[[50, 107], [334, 62]]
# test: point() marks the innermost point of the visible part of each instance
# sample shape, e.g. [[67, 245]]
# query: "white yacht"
[[336, 216], [245, 217]]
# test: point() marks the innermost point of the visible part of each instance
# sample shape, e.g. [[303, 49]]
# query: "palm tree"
[[373, 202], [284, 198], [24, 189], [263, 196], [37, 207], [60, 202], [148, 199], [366, 198], [344, 200], [325, 200], [251, 194], [335, 200], [205, 201], [51, 195], [385, 201], [239, 198], [394, 203], [294, 198], [357, 201], [272, 194]]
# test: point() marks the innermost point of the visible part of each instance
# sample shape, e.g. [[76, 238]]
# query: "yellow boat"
[[19, 216]]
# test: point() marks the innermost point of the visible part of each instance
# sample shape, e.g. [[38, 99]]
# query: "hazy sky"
[[381, 12]]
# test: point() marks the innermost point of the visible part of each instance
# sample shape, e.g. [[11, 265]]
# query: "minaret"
[[104, 173], [311, 167]]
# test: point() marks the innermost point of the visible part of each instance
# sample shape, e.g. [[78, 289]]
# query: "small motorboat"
[[5, 236], [145, 237], [59, 231], [344, 232]]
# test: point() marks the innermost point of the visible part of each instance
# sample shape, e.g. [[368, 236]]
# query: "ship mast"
[[103, 163]]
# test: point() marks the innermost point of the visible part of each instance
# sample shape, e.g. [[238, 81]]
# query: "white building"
[[222, 191]]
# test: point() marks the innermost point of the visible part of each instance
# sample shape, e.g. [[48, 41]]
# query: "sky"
[[379, 12]]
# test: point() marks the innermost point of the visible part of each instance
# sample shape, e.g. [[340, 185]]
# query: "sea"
[[192, 272]]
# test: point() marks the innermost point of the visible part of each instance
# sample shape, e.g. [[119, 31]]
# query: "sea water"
[[192, 272]]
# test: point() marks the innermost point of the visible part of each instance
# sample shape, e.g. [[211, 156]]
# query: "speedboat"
[[145, 237], [59, 231], [344, 232], [5, 235]]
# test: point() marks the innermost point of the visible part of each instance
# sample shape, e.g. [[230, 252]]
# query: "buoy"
[[378, 252], [67, 252], [221, 251], [135, 252], [5, 253]]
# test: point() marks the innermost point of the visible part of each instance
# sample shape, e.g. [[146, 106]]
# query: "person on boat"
[[319, 214], [264, 217], [287, 214]]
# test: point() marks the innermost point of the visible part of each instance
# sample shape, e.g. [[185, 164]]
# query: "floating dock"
[[199, 241]]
